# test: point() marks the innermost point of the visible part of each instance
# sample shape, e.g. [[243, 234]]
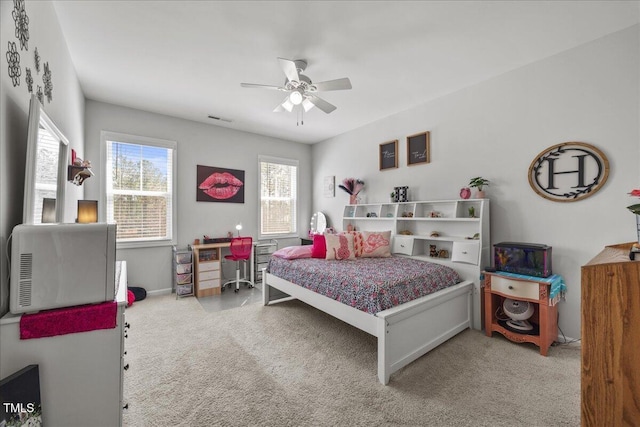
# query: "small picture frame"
[[418, 149], [389, 155], [329, 186]]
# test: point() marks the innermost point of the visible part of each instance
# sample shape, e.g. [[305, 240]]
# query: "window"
[[278, 197], [140, 181]]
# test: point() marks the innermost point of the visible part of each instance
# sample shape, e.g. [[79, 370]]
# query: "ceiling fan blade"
[[338, 84], [290, 69], [321, 104], [256, 86]]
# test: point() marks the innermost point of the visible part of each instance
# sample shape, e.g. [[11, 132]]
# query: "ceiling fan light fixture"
[[296, 97], [307, 105], [288, 105]]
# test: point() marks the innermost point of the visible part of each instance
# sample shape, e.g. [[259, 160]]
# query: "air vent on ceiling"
[[219, 118]]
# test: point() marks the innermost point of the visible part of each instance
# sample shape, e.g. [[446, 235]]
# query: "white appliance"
[[61, 265], [519, 312]]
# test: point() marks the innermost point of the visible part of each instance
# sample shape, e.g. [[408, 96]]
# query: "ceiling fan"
[[301, 90]]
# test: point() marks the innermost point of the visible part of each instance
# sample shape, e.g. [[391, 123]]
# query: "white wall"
[[198, 144], [66, 109], [495, 129]]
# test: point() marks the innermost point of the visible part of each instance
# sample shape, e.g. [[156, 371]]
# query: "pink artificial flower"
[[635, 193]]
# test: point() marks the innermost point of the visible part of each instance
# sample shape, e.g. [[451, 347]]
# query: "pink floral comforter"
[[368, 284]]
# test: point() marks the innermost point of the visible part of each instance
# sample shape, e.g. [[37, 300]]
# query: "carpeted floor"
[[292, 365]]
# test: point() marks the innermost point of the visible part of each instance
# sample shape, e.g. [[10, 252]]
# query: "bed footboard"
[[404, 333], [407, 332]]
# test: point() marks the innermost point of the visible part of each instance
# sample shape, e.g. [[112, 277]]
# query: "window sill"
[[144, 244]]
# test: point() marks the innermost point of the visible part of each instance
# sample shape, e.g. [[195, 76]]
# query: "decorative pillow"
[[340, 246], [294, 252], [357, 242], [319, 248], [376, 244]]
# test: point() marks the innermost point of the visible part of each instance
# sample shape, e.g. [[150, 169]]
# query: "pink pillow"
[[319, 246], [131, 298], [294, 252], [340, 246], [376, 244]]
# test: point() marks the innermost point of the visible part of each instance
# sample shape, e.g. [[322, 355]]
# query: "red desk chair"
[[240, 251]]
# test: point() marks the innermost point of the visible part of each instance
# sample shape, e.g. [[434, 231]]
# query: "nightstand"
[[537, 290]]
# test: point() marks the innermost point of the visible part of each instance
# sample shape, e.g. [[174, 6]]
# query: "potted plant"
[[479, 182]]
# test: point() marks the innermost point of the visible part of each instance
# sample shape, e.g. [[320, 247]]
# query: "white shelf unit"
[[183, 272], [450, 219], [262, 254]]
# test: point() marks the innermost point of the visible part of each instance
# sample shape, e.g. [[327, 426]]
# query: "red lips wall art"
[[220, 185]]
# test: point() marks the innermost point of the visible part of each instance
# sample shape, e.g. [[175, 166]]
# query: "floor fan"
[[519, 312]]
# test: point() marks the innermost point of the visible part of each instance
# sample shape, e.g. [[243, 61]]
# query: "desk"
[[207, 261]]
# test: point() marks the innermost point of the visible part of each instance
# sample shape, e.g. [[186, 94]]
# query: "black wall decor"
[[418, 149], [28, 79], [568, 172], [14, 69], [48, 85], [13, 58], [22, 23], [389, 155], [36, 60]]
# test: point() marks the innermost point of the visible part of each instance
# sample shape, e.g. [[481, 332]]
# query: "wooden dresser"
[[610, 386]]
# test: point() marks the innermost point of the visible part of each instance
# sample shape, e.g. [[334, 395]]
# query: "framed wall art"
[[219, 185], [389, 155], [568, 172], [418, 149], [329, 186]]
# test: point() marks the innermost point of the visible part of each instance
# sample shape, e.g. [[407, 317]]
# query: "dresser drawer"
[[467, 252], [517, 289], [208, 275], [208, 266], [402, 245], [265, 249], [208, 284], [263, 258]]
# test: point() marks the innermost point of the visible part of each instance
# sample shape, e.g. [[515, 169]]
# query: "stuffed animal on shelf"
[[433, 252]]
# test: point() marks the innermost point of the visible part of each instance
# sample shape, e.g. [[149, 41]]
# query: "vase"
[[480, 194], [353, 199]]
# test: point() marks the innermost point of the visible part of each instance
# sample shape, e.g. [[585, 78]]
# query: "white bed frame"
[[404, 333]]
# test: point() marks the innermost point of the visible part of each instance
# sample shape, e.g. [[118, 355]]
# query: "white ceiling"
[[187, 58]]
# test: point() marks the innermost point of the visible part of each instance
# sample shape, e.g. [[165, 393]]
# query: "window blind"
[[46, 170], [140, 190], [278, 196]]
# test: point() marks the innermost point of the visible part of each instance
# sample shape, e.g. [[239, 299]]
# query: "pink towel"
[[68, 320]]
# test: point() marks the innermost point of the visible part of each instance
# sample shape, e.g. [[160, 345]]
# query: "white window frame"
[[106, 178], [282, 161]]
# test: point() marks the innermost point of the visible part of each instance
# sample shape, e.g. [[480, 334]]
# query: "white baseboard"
[[159, 292]]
